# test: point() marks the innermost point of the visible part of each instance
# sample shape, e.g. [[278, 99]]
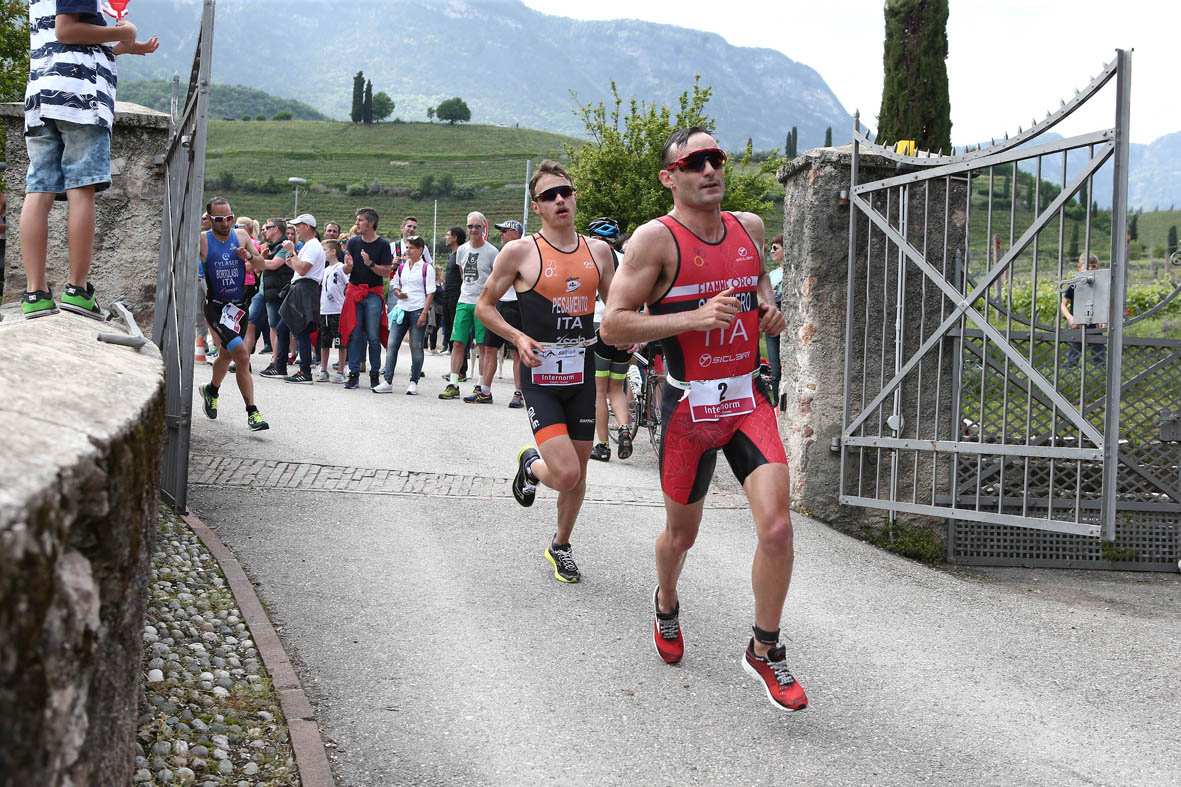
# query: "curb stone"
[[310, 756]]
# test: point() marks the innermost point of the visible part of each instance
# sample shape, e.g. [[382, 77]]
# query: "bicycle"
[[643, 396]]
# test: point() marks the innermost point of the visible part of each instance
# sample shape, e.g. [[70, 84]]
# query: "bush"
[[357, 190], [246, 117], [283, 114], [260, 117]]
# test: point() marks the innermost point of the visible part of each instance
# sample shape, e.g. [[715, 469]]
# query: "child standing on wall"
[[69, 111]]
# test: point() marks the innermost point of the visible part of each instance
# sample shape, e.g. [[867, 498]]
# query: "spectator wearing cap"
[[511, 311], [301, 308]]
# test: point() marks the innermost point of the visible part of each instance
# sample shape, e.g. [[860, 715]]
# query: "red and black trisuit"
[[713, 398]]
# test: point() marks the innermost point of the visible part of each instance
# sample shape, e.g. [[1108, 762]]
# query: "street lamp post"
[[298, 182]]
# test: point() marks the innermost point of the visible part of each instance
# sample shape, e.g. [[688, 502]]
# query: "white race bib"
[[710, 400], [560, 366], [231, 317]]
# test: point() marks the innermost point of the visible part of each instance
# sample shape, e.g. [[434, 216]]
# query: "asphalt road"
[[438, 649]]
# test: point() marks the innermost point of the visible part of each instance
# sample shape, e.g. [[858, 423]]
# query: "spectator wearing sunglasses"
[[700, 272]]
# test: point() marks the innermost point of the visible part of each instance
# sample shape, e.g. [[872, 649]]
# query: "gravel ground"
[[211, 716]]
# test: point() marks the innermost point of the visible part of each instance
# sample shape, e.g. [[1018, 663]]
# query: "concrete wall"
[[82, 426], [127, 234], [815, 285]]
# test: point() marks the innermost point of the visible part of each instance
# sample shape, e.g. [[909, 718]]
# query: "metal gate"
[[969, 396], [176, 283]]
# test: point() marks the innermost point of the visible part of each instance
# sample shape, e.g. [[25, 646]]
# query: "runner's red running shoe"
[[782, 688], [670, 644]]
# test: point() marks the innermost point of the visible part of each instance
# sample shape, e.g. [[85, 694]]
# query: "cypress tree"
[[915, 102], [367, 104], [1133, 232], [1172, 239], [1072, 250], [358, 97], [787, 146], [828, 137]]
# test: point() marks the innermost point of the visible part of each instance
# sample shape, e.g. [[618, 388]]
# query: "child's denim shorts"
[[65, 155]]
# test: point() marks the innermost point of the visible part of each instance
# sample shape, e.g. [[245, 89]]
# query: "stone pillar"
[[815, 286], [128, 218], [79, 483]]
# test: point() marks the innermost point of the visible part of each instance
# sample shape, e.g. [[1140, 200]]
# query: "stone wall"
[[127, 224], [79, 475], [815, 286]]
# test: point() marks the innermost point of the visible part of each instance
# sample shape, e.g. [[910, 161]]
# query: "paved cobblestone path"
[[428, 631]]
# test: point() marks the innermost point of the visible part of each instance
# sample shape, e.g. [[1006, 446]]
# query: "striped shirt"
[[72, 82]]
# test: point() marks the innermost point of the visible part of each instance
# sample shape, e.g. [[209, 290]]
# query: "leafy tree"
[[828, 137], [430, 114], [247, 117], [616, 170], [358, 97], [915, 102], [453, 110], [367, 104], [260, 117], [285, 114], [383, 106], [1172, 242], [14, 49]]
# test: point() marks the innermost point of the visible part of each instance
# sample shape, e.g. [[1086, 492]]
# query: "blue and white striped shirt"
[[73, 82]]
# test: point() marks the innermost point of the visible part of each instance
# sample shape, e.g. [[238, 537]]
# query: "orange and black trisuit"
[[558, 312], [713, 398]]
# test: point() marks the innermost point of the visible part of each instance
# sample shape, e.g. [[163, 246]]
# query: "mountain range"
[[510, 64]]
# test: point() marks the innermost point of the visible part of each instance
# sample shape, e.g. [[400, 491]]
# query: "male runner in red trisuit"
[[700, 272], [556, 273]]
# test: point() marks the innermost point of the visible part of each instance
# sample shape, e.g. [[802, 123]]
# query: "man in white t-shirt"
[[301, 308], [475, 258], [398, 247], [412, 293]]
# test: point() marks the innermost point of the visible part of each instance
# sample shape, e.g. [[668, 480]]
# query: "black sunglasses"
[[695, 161], [549, 195]]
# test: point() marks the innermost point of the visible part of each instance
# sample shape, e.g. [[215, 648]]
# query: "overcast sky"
[[1008, 60]]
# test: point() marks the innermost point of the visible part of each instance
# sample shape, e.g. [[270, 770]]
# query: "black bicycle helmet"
[[604, 228]]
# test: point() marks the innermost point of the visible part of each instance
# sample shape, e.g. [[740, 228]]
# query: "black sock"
[[212, 389], [251, 409]]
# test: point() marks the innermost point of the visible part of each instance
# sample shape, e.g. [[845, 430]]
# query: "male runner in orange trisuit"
[[557, 274]]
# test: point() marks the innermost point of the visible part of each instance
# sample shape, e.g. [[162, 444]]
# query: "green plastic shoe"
[[38, 304], [80, 301]]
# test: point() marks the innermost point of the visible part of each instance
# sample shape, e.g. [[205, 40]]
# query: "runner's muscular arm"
[[770, 318], [634, 284], [245, 250], [504, 275], [602, 254]]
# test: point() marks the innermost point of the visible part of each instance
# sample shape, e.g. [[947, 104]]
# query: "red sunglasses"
[[695, 161]]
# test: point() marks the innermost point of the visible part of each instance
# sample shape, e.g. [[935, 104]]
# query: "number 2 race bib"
[[710, 400], [560, 366], [231, 317]]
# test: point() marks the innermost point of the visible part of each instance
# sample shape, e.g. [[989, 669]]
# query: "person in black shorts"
[[611, 364], [510, 310], [225, 252], [700, 273], [556, 274]]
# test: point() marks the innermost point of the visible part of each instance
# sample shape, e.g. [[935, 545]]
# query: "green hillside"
[[225, 101], [397, 168], [382, 166]]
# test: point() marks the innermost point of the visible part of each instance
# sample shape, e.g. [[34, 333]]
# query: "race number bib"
[[710, 400], [231, 317], [560, 366]]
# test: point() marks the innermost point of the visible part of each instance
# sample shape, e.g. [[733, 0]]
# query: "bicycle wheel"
[[652, 409]]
